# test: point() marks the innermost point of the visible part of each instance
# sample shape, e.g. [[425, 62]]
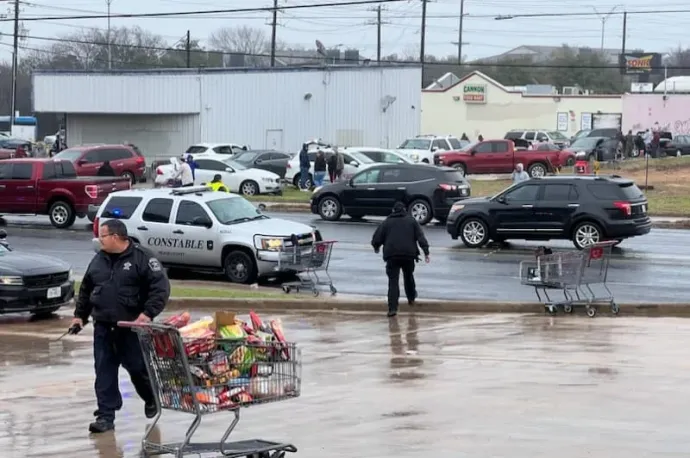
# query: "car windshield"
[[557, 136], [245, 158], [454, 143], [586, 143], [69, 155], [416, 143], [582, 134], [234, 164], [234, 210], [361, 158]]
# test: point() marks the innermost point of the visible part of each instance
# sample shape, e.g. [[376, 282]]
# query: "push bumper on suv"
[[35, 299]]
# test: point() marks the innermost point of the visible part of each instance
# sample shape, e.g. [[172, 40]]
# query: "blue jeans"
[[303, 176], [318, 178]]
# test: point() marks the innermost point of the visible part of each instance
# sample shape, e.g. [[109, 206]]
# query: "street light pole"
[[462, 14], [604, 18], [110, 55]]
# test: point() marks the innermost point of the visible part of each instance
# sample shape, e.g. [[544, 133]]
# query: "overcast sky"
[[353, 26]]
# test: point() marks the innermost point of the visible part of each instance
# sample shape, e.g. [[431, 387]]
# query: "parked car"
[[382, 156], [197, 229], [216, 148], [32, 282], [500, 156], [584, 209], [428, 191], [15, 147], [236, 176], [51, 187], [537, 136], [124, 159], [579, 134], [422, 147], [679, 146], [594, 148], [271, 161], [354, 162]]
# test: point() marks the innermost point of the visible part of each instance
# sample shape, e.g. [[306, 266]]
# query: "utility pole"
[[423, 33], [274, 27], [462, 15], [15, 58], [378, 33], [625, 30], [110, 55], [188, 49]]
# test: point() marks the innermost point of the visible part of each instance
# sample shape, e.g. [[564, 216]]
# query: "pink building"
[[644, 111]]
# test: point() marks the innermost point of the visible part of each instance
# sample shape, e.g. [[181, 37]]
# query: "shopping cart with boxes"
[[311, 264], [581, 277]]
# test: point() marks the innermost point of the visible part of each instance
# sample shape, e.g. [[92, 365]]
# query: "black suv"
[[584, 209], [428, 191]]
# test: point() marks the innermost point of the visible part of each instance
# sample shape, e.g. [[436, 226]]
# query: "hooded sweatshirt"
[[400, 235]]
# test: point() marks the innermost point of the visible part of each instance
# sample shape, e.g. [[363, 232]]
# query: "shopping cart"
[[575, 274], [311, 265], [181, 382]]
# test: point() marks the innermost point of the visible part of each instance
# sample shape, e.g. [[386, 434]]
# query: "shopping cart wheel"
[[333, 291], [316, 292], [287, 289], [591, 312], [615, 309], [568, 308], [551, 309]]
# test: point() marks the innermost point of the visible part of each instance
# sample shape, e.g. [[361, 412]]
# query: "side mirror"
[[434, 149], [351, 182], [258, 161], [354, 164], [473, 152], [230, 170], [501, 200]]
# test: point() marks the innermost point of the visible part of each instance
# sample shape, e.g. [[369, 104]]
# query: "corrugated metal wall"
[[164, 135]]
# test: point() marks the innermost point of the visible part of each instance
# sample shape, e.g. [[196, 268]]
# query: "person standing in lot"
[[106, 170], [184, 174], [319, 168], [339, 163], [401, 236], [519, 174], [124, 282], [304, 166], [332, 166]]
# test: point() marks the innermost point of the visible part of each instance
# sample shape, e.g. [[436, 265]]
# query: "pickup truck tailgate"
[[108, 185]]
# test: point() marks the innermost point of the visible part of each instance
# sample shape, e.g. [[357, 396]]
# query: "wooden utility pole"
[[188, 49], [378, 34], [423, 33], [274, 27], [625, 30], [15, 64], [462, 15]]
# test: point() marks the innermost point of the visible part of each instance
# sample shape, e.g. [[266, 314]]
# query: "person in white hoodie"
[[519, 174], [184, 174]]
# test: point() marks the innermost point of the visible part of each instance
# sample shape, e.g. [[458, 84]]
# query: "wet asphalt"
[[644, 269], [415, 386]]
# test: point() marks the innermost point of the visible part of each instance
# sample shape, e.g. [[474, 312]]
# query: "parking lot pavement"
[[508, 386]]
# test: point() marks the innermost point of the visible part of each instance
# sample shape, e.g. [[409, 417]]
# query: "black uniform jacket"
[[399, 235], [134, 283]]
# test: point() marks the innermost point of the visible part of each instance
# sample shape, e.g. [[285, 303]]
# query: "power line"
[[203, 12], [352, 60]]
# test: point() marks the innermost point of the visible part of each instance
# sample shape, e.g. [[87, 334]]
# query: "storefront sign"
[[474, 93], [585, 121], [640, 63], [562, 122]]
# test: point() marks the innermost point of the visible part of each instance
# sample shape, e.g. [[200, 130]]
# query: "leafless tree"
[[250, 41]]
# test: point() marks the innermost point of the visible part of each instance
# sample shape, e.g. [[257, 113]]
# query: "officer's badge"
[[155, 265], [127, 266]]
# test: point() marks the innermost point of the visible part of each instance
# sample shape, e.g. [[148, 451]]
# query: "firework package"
[[235, 362]]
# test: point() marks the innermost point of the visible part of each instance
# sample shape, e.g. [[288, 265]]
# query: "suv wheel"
[[239, 267], [330, 208], [61, 214], [586, 234], [129, 176], [460, 168], [474, 233], [537, 170], [426, 161], [308, 184], [421, 211]]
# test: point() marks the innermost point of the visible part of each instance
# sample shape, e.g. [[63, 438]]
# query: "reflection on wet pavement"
[[413, 386]]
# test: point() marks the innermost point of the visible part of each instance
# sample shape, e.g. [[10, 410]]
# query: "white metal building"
[[165, 111]]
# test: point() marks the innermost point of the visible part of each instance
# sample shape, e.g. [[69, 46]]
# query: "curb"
[[450, 307]]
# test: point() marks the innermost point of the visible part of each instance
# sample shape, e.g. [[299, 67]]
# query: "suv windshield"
[[68, 155], [235, 165], [195, 150], [233, 210], [416, 143], [557, 136]]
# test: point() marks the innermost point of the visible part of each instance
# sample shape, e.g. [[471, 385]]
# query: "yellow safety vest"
[[217, 186]]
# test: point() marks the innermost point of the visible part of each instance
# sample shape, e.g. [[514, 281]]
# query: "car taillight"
[[159, 171], [625, 207], [91, 190], [95, 227], [140, 160], [448, 187], [289, 166]]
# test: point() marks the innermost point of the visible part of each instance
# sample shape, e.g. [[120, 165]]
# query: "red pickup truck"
[[500, 156], [51, 187]]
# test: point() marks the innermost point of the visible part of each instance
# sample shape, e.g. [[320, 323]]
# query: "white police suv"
[[195, 228]]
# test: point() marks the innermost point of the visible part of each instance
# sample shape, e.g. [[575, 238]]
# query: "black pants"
[[393, 268], [114, 347]]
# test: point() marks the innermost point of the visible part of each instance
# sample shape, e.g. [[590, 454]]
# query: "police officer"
[[217, 184], [124, 282], [401, 237]]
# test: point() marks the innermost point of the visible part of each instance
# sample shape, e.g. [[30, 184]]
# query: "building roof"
[[544, 52]]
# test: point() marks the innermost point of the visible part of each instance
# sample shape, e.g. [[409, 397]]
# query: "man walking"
[[124, 282], [304, 166], [401, 237]]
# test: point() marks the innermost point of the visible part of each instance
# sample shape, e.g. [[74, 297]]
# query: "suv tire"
[[329, 208], [422, 209], [61, 214], [308, 184], [586, 233], [240, 267], [474, 233], [130, 177]]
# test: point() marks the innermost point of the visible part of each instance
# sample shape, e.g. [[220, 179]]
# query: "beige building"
[[478, 104]]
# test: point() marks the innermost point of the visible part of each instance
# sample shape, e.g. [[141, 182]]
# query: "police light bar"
[[189, 190]]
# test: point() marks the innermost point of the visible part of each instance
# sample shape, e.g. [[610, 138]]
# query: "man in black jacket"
[[401, 237], [124, 282]]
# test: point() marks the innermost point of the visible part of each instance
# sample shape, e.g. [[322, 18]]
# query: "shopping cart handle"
[[131, 324]]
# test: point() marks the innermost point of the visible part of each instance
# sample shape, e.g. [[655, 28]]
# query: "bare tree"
[[250, 41]]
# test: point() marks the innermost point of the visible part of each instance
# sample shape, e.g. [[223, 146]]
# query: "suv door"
[[359, 196], [554, 211], [195, 231], [155, 229], [90, 162], [272, 162], [392, 187], [121, 159], [513, 213], [439, 145]]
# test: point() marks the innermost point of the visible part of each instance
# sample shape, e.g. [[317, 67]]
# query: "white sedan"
[[237, 177], [354, 162]]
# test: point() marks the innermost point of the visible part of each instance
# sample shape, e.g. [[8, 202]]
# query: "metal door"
[[274, 139]]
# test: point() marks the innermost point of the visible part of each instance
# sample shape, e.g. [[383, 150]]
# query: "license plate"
[[54, 293]]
